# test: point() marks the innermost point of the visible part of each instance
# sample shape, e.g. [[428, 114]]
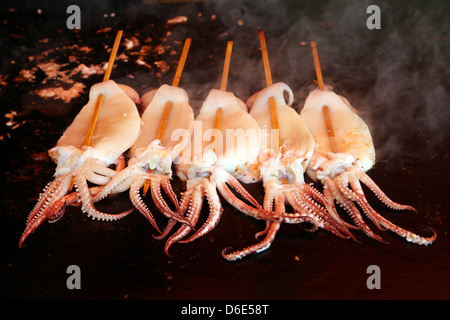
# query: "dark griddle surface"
[[395, 77]]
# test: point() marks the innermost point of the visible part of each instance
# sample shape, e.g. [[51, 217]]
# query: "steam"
[[397, 77]]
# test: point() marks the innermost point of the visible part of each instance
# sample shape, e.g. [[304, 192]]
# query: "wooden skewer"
[[272, 102], [98, 104], [218, 122], [325, 108], [175, 83], [265, 56], [217, 125], [317, 65], [184, 54], [164, 120], [226, 66], [169, 104], [329, 126], [223, 87]]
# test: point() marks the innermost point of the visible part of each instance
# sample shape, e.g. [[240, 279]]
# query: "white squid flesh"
[[281, 168], [215, 159], [344, 152], [116, 129], [152, 156]]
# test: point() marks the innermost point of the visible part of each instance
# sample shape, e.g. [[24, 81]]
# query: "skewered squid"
[[344, 152], [217, 157], [281, 169], [152, 154], [116, 130]]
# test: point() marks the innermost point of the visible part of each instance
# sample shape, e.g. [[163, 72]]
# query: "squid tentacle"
[[360, 200], [354, 213], [305, 214], [193, 214], [257, 213], [88, 202], [182, 207], [323, 213], [314, 194], [96, 178], [120, 182], [330, 193], [31, 228], [408, 235], [269, 198], [215, 211], [160, 203], [270, 232], [231, 255], [53, 192], [328, 205], [71, 199], [167, 187], [42, 201], [302, 205], [364, 178], [317, 222], [381, 222], [101, 169], [139, 204], [236, 185], [351, 209]]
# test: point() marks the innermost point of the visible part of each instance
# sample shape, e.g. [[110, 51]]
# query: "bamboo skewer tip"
[[329, 127], [265, 56], [223, 87], [181, 63], [317, 65], [226, 66], [268, 74]]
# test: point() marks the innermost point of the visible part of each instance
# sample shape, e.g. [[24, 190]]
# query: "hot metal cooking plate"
[[394, 77]]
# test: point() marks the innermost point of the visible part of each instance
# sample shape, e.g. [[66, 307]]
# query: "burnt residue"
[[393, 76]]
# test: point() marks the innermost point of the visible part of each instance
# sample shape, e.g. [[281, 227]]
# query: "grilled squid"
[[281, 169], [153, 152], [344, 153], [115, 132], [219, 155]]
